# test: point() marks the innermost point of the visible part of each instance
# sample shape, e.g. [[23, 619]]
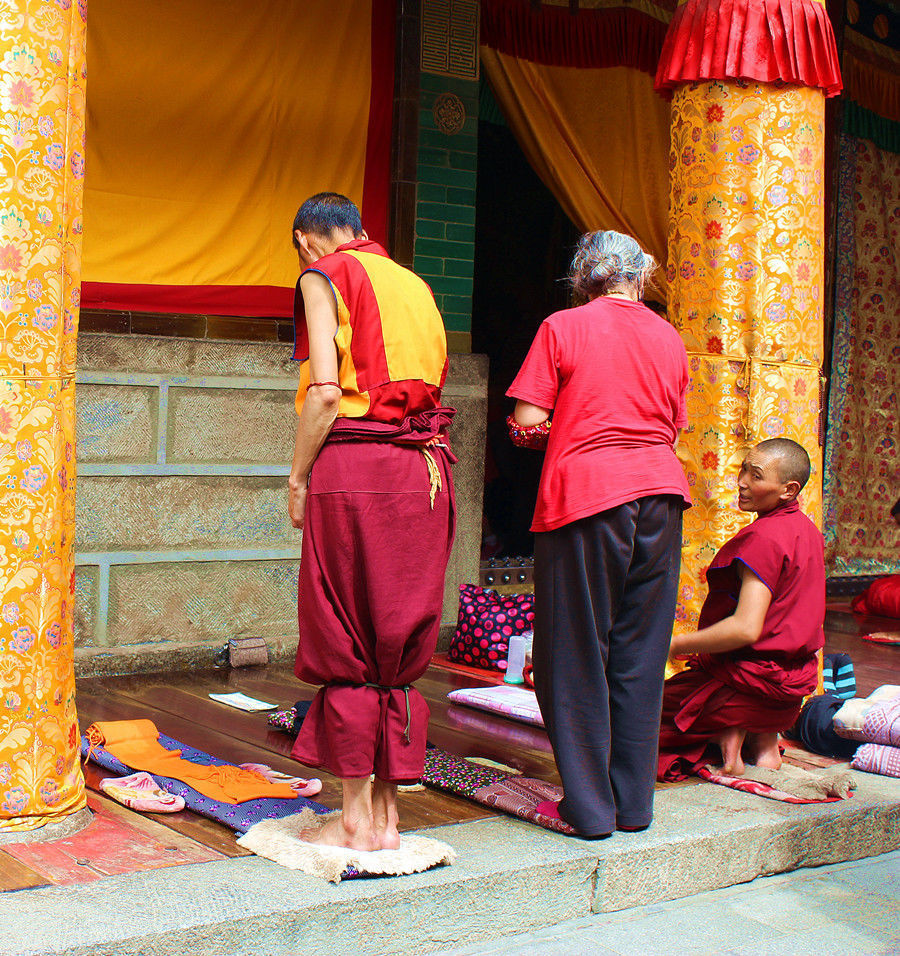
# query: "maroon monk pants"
[[370, 595], [698, 707]]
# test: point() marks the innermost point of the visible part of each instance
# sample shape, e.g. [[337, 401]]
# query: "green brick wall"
[[445, 202]]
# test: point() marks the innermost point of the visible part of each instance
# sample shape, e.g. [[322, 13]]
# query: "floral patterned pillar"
[[42, 84], [745, 247]]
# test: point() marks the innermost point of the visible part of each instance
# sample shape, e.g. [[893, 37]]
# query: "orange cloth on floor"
[[136, 744]]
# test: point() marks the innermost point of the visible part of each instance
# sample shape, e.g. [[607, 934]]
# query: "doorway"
[[523, 245]]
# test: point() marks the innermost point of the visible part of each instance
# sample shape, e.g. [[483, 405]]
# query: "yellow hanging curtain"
[[208, 123], [598, 139]]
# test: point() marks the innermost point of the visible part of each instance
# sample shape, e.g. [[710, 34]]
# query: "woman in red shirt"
[[608, 530]]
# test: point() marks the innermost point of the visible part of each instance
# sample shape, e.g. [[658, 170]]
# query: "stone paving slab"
[[510, 878], [851, 907]]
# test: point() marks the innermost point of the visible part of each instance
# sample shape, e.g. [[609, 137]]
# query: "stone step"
[[510, 877]]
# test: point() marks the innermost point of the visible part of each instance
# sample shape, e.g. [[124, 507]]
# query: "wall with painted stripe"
[[182, 535]]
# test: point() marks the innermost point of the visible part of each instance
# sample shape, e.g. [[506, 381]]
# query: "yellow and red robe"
[[391, 342]]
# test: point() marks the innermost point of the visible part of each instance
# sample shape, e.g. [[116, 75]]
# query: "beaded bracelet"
[[528, 436]]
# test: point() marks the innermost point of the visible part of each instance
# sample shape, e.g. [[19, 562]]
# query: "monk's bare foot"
[[341, 831], [385, 815], [765, 750], [730, 743]]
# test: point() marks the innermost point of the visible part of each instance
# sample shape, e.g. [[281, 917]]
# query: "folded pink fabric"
[[879, 713], [140, 791], [758, 788], [519, 703], [881, 725], [534, 800], [877, 758]]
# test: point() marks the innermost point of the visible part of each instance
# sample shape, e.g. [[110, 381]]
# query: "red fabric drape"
[[763, 40], [377, 186], [244, 300], [552, 36]]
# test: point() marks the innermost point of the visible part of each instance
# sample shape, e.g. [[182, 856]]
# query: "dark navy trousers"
[[605, 592]]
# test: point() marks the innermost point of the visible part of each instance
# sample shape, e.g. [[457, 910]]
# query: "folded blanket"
[[878, 758], [883, 637], [881, 725], [850, 720], [136, 744]]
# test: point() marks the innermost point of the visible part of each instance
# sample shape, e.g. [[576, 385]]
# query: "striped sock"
[[838, 677]]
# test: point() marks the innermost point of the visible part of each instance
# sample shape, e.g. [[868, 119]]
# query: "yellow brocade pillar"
[[42, 84], [745, 272]]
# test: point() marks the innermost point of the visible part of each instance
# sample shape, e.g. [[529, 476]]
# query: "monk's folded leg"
[[764, 750], [339, 732], [730, 742], [700, 712]]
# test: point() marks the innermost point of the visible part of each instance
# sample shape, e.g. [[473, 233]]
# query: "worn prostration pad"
[[494, 788], [237, 816]]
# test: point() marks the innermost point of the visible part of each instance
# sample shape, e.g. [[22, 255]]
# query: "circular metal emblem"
[[449, 113]]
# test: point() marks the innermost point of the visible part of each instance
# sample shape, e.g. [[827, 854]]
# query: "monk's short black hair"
[[793, 461], [325, 212]]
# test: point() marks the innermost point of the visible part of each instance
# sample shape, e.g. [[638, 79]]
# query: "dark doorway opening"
[[523, 245]]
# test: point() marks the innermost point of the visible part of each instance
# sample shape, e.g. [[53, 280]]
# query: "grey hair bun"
[[607, 261]]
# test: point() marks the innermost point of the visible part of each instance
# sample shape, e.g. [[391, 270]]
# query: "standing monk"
[[372, 488]]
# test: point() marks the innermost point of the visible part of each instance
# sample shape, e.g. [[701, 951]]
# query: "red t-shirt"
[[785, 550], [615, 375]]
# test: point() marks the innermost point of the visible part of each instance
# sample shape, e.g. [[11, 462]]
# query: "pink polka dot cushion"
[[487, 620]]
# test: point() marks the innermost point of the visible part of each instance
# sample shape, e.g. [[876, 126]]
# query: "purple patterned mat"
[[237, 816]]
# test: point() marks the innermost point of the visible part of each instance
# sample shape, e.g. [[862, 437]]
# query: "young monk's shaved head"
[[792, 460]]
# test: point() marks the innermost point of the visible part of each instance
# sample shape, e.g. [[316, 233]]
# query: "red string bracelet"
[[528, 436], [313, 384]]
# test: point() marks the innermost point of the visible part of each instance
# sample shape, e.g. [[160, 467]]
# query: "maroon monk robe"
[[370, 595], [758, 688]]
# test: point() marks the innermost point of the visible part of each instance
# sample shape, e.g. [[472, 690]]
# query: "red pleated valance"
[[764, 40], [553, 36]]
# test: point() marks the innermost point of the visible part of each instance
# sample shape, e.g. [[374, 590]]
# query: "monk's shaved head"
[[791, 459]]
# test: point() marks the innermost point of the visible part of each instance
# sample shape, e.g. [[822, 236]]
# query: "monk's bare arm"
[[320, 406], [740, 629], [527, 414]]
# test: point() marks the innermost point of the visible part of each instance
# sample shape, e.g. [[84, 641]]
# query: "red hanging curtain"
[[765, 40]]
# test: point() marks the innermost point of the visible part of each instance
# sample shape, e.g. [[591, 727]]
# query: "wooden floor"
[[179, 705], [873, 664]]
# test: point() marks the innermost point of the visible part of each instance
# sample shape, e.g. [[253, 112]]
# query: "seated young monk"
[[754, 657]]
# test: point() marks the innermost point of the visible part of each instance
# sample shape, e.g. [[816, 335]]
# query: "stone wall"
[[183, 539]]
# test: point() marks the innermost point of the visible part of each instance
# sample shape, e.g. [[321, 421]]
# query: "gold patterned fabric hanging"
[[745, 273], [42, 81]]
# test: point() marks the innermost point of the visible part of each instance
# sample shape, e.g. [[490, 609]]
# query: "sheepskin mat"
[[788, 784], [279, 841]]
